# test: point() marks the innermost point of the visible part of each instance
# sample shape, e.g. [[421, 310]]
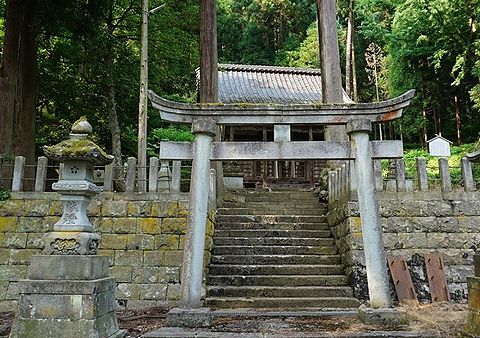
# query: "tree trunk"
[[348, 58], [332, 91], [18, 80], [459, 121], [143, 104], [354, 66], [208, 52]]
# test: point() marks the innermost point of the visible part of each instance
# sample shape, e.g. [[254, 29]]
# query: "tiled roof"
[[268, 84]]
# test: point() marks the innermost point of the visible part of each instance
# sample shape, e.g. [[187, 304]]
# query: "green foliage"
[[178, 133], [86, 48], [4, 194], [261, 31], [431, 50], [454, 161], [306, 56]]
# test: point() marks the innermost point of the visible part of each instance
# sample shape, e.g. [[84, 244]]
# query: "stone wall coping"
[[120, 196]]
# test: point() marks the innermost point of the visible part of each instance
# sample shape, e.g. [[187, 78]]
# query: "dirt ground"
[[447, 319]]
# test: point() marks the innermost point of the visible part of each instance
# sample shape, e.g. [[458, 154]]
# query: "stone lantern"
[[73, 233], [68, 292]]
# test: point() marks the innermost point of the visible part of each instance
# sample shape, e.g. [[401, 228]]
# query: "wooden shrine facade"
[[249, 84]]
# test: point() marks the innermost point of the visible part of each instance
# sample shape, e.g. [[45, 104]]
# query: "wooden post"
[[332, 91], [208, 52], [142, 106], [209, 69]]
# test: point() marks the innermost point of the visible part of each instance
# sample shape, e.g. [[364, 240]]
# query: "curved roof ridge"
[[267, 69]]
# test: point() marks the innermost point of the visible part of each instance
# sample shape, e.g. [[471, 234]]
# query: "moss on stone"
[[77, 149]]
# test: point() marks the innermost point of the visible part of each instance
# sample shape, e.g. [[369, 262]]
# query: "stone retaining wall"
[[142, 234], [415, 223]]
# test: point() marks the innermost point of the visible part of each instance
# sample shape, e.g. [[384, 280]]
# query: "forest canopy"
[[86, 56]]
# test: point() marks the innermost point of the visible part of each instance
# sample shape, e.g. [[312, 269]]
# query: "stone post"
[[18, 173], [473, 283], [68, 292], [376, 266], [204, 131], [41, 174], [176, 176]]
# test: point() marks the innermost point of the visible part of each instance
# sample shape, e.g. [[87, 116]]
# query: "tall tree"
[[18, 80]]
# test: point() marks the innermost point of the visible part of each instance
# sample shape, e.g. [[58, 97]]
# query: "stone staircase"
[[275, 250]]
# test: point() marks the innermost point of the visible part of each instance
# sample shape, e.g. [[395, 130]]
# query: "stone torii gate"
[[358, 118]]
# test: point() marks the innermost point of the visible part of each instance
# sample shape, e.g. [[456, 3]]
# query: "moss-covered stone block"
[[164, 209], [12, 207], [8, 305], [153, 292], [145, 274], [174, 292], [8, 223], [22, 256], [14, 240], [169, 274], [56, 208], [109, 253], [4, 256], [49, 222], [139, 208], [114, 208], [114, 241], [95, 208], [124, 225], [128, 258], [140, 242], [127, 291], [12, 273], [154, 258], [35, 240], [32, 224], [3, 290], [174, 226], [36, 208], [122, 274], [167, 242], [150, 225], [174, 258]]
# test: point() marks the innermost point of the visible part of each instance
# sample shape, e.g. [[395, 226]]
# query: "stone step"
[[330, 302], [282, 205], [269, 210], [292, 198], [274, 250], [273, 233], [277, 259], [278, 280], [270, 241], [278, 291], [225, 225], [270, 219], [227, 269]]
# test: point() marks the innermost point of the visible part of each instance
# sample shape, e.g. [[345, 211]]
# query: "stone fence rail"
[[163, 176], [342, 182]]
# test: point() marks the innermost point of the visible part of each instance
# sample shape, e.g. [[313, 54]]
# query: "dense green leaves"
[[88, 58]]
